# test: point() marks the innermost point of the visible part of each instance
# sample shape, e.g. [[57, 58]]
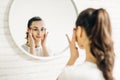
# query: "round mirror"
[[56, 17]]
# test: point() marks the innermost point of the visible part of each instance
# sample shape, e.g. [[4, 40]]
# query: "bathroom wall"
[[15, 65]]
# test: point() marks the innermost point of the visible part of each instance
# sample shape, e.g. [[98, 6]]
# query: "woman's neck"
[[90, 57], [37, 44]]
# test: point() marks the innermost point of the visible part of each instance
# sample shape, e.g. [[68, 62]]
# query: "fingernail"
[[74, 28], [29, 28]]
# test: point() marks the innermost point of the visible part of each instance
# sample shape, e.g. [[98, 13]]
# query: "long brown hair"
[[97, 26]]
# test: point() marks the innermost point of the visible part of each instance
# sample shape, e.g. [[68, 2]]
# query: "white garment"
[[85, 71], [38, 50]]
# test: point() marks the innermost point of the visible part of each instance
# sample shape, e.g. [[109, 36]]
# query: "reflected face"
[[37, 29]]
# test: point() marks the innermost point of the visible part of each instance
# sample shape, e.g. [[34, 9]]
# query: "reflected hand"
[[30, 39], [31, 42], [73, 49], [43, 41]]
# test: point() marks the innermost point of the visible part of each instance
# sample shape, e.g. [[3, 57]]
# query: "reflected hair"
[[36, 18], [97, 26]]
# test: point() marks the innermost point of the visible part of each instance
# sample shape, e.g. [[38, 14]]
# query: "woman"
[[92, 33], [36, 37]]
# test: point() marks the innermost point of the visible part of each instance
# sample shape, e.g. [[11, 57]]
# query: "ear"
[[79, 32], [80, 36]]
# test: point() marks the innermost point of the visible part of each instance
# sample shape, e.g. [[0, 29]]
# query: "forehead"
[[37, 24]]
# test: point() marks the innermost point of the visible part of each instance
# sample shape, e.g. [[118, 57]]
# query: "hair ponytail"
[[102, 44], [96, 24]]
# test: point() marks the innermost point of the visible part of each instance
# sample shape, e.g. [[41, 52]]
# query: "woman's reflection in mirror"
[[36, 36]]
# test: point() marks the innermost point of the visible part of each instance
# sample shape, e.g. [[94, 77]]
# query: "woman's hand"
[[73, 49], [43, 44], [31, 42], [30, 39], [43, 41]]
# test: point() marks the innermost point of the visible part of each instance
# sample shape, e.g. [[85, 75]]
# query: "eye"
[[42, 28], [35, 29]]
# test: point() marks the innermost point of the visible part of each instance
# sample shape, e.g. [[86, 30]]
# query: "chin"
[[38, 39]]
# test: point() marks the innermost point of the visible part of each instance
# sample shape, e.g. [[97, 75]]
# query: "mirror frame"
[[41, 57]]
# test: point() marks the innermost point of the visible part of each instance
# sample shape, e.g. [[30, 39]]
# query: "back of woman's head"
[[97, 26]]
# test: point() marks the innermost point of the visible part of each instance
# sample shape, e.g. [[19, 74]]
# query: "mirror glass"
[[58, 17]]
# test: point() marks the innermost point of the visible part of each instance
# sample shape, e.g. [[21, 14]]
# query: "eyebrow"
[[37, 27]]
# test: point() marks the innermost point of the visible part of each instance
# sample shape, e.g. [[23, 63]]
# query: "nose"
[[39, 32]]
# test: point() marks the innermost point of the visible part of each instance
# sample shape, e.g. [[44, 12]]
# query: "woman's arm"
[[74, 54], [44, 50]]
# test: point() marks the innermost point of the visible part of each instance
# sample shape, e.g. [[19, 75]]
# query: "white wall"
[[15, 65]]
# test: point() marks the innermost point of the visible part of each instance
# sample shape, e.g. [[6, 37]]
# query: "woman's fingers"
[[74, 35], [73, 49], [45, 33], [44, 37], [30, 30], [30, 37], [68, 38]]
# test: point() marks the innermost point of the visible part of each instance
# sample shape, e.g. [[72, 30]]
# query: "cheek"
[[42, 33], [34, 35]]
